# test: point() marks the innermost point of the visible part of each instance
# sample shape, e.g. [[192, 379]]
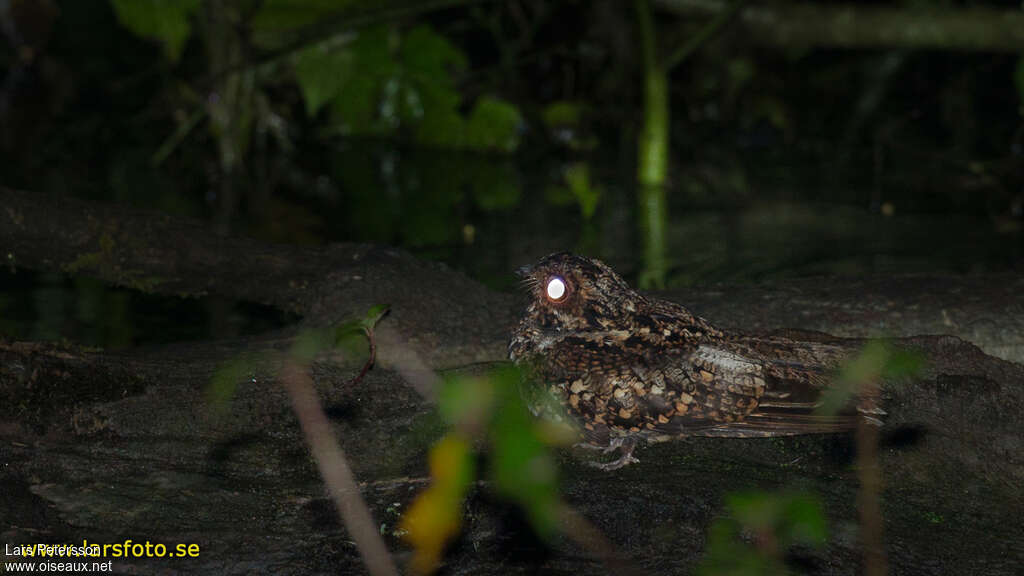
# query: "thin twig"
[[399, 356], [372, 356], [870, 479], [334, 468], [391, 482], [171, 143], [697, 40]]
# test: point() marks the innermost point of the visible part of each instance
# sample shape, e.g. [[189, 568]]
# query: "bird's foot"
[[625, 446], [622, 462]]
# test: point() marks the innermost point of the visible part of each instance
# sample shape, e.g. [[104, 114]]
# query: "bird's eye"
[[556, 289]]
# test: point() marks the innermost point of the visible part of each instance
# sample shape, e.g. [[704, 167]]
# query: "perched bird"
[[628, 367]]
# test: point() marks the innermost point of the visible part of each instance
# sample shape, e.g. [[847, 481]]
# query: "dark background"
[[315, 122]]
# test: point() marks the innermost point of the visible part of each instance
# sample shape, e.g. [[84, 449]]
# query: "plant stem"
[[869, 509], [334, 468], [652, 154]]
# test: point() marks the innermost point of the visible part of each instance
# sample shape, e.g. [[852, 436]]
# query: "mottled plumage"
[[627, 367]]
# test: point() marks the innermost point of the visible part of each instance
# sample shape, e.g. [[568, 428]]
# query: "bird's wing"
[[704, 389], [752, 389], [796, 373]]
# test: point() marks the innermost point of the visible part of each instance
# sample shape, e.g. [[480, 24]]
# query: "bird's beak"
[[524, 272]]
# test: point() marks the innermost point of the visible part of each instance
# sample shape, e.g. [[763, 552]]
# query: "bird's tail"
[[800, 369]]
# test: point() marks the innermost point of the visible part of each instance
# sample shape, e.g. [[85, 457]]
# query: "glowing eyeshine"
[[556, 288]]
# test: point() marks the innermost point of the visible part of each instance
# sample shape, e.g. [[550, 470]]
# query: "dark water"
[[48, 306], [740, 218]]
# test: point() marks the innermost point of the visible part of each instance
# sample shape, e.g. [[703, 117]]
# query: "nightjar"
[[628, 367]]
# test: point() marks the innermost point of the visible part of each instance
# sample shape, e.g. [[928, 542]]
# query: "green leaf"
[[350, 336], [374, 314], [427, 96], [382, 83], [903, 364], [166, 21], [356, 109], [276, 17], [373, 49], [727, 555], [563, 114], [877, 360], [778, 520], [423, 99], [441, 128], [321, 72], [522, 469], [790, 517], [804, 520], [577, 176], [466, 403], [430, 56], [834, 398], [493, 125]]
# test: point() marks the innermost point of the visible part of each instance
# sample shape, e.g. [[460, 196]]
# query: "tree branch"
[[858, 26]]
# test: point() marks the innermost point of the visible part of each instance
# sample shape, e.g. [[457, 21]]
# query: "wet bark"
[[108, 446]]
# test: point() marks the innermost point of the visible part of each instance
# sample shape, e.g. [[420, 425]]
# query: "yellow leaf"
[[435, 517]]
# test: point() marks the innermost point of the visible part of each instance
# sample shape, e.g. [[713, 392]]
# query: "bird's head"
[[570, 293]]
